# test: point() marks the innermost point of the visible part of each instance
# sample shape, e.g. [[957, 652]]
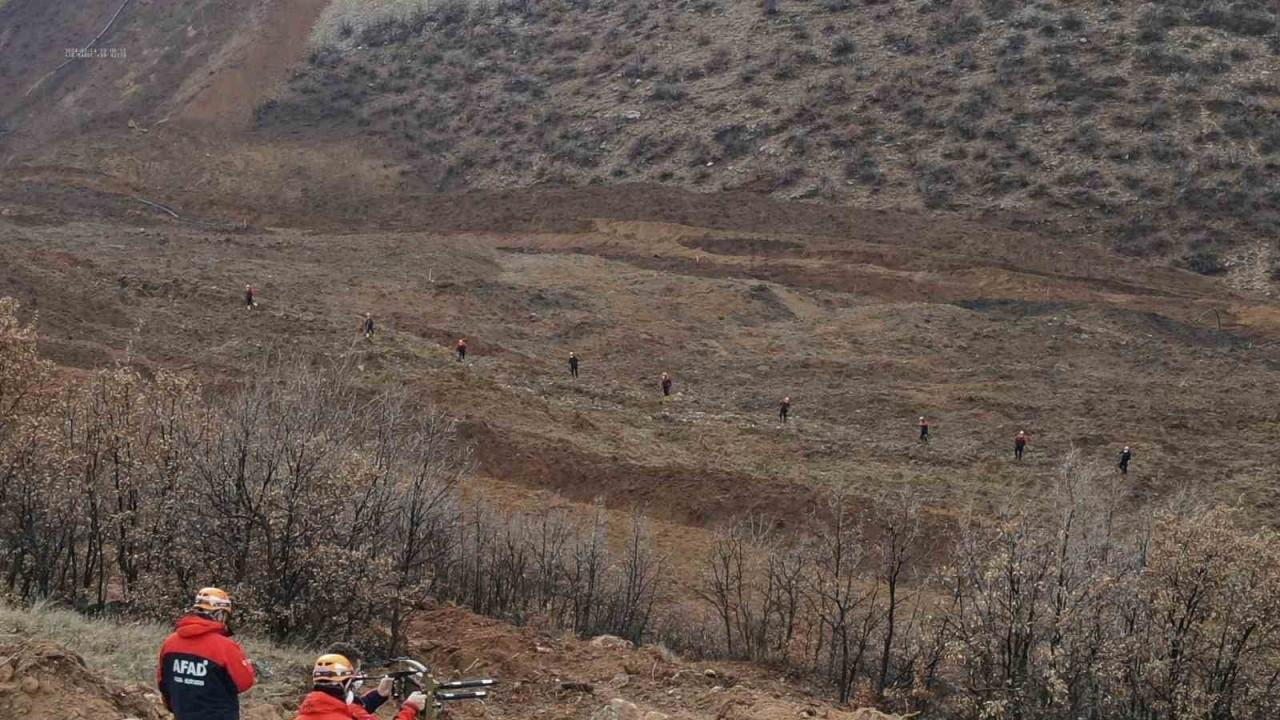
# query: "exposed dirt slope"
[[867, 321], [551, 676], [206, 61], [42, 681]]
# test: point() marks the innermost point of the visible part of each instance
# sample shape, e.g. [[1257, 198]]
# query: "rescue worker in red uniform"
[[462, 349], [373, 699], [924, 430], [784, 409], [666, 384], [1019, 444], [202, 671], [332, 681]]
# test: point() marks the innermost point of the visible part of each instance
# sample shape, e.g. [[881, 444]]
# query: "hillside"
[[1152, 126], [866, 319], [103, 669], [1150, 129], [1057, 217]]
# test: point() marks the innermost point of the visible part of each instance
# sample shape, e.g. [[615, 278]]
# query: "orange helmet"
[[212, 599], [332, 669]]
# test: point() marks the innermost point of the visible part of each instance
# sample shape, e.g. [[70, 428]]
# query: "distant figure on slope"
[[573, 365], [1019, 444], [1125, 456], [462, 349], [248, 297], [666, 384], [924, 430], [784, 409], [368, 326]]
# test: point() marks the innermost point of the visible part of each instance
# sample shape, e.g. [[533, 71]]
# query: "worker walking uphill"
[[462, 349], [368, 326], [248, 297], [666, 384], [1019, 444], [1125, 456], [784, 409], [333, 680], [202, 671], [924, 430], [573, 365]]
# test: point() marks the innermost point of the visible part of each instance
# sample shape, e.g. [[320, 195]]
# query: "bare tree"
[[900, 542]]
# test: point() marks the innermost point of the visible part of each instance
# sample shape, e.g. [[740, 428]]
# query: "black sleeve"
[[372, 700]]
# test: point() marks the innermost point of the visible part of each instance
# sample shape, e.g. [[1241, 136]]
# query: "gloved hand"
[[417, 701], [385, 686]]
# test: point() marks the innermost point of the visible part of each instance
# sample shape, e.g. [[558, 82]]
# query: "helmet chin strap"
[[353, 686]]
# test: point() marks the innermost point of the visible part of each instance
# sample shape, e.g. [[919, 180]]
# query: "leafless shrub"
[[327, 513], [1063, 613]]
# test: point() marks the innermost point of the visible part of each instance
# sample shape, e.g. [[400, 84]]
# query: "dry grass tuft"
[[126, 651], [345, 18]]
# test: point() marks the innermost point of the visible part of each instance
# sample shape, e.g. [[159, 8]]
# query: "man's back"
[[202, 671]]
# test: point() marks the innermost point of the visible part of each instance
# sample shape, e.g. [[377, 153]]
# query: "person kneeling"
[[332, 697]]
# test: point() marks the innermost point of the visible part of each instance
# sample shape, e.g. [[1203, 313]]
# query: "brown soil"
[[563, 677], [250, 66], [41, 681], [865, 319]]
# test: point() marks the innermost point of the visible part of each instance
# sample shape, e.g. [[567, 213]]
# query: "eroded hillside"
[[1154, 124], [867, 320]]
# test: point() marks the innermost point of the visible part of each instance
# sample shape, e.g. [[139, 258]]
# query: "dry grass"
[[126, 651], [344, 17]]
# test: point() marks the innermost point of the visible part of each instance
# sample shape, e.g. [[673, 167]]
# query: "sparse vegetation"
[[125, 650], [327, 515], [1204, 262], [1069, 606], [1056, 614], [1010, 66], [843, 46], [666, 92]]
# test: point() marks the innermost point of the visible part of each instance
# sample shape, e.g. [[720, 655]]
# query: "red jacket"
[[320, 705], [201, 671]]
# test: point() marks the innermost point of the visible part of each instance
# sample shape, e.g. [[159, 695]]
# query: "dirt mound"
[[550, 674], [40, 680]]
